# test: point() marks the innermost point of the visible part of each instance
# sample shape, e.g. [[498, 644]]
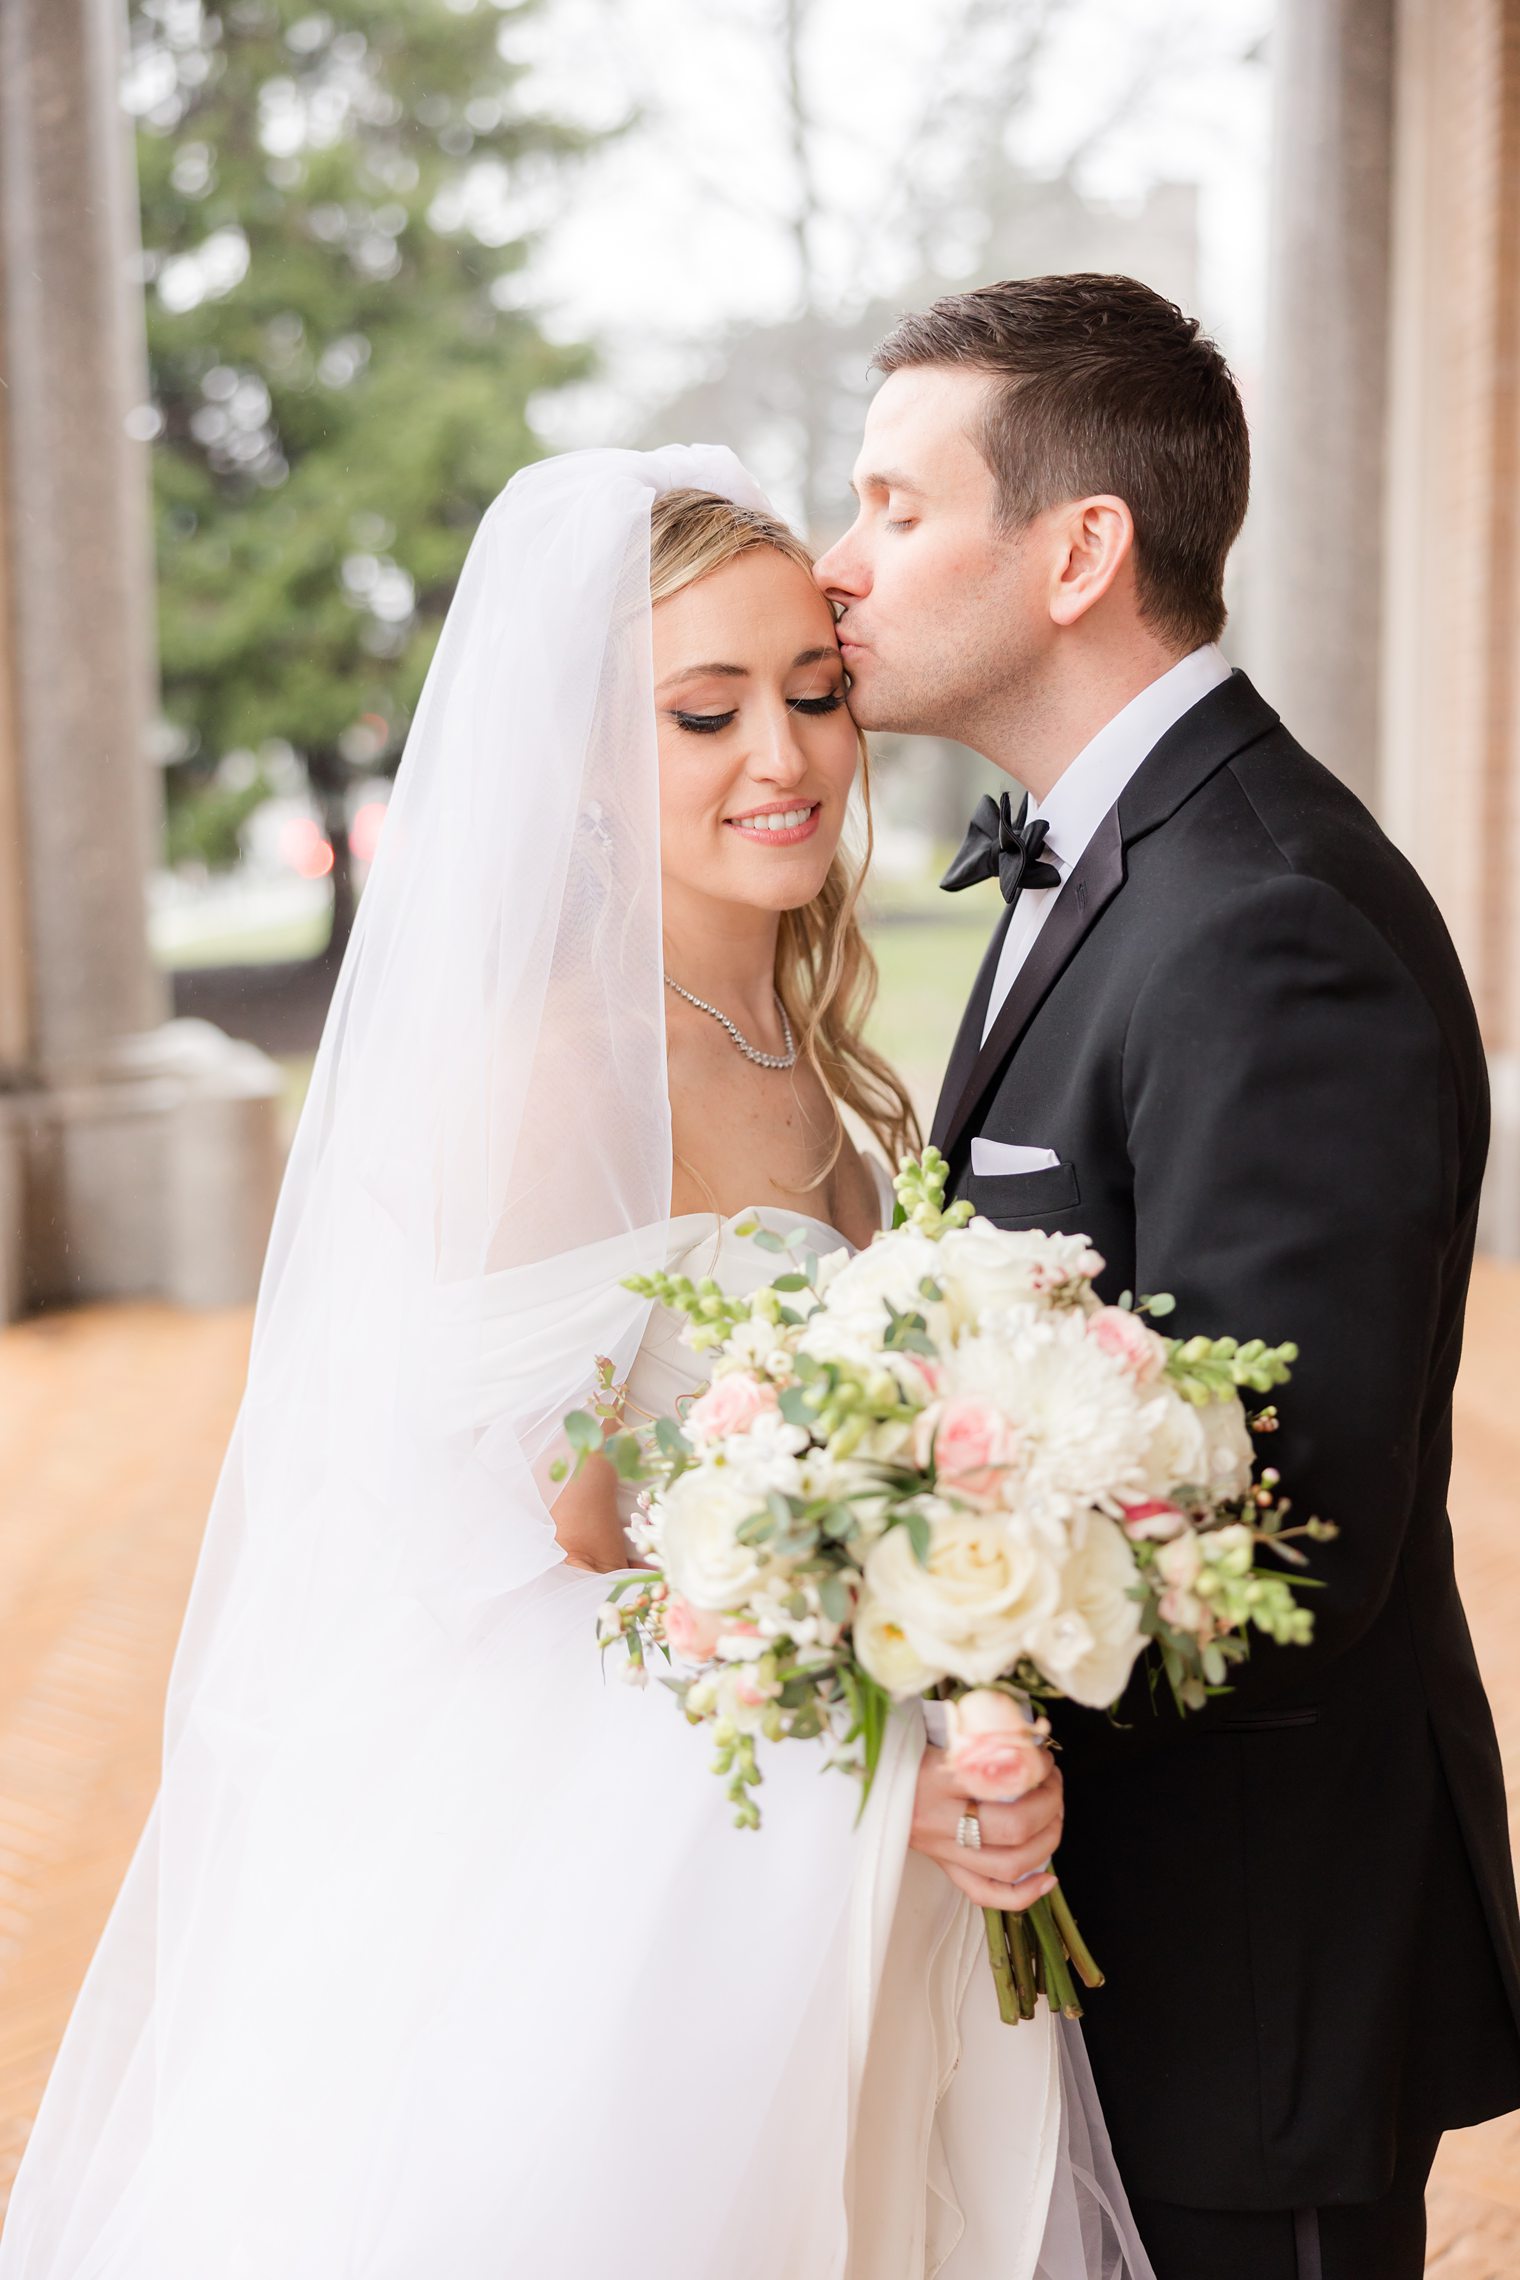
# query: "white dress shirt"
[[1077, 803]]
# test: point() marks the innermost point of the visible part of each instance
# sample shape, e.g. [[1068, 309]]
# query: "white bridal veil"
[[438, 1959], [484, 1152]]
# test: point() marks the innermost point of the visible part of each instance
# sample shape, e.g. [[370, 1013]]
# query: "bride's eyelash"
[[708, 724], [702, 724]]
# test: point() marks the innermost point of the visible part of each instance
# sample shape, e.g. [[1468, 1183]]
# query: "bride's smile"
[[758, 753]]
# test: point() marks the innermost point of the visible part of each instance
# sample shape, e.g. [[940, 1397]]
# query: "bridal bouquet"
[[942, 1467]]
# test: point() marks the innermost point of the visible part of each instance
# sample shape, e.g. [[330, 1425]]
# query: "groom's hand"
[[1017, 1840]]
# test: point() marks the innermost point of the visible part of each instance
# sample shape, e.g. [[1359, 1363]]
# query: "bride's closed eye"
[[703, 724], [708, 724]]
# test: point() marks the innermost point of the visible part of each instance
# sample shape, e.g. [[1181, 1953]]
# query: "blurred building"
[[1387, 610], [137, 1155]]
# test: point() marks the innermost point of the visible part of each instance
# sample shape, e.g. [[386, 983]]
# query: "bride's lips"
[[755, 824]]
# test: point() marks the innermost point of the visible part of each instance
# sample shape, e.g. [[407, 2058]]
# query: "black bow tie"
[[997, 846]]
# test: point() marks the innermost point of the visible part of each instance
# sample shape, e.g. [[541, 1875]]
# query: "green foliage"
[[920, 1190], [1211, 1369], [335, 211]]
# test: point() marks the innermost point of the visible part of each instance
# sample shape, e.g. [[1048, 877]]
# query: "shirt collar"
[[1082, 796]]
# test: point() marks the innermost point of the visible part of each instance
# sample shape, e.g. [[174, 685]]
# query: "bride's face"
[[757, 747]]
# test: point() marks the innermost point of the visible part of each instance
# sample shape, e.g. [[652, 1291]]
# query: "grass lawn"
[[927, 969], [245, 946]]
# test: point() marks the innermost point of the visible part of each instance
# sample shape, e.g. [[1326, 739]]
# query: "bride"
[[438, 1958]]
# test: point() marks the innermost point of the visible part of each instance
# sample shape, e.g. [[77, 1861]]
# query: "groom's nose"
[[841, 572]]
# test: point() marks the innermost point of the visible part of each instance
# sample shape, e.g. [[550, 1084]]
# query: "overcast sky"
[[679, 231]]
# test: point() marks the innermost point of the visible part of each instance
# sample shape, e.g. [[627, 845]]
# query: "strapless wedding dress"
[[593, 2030], [909, 2132]]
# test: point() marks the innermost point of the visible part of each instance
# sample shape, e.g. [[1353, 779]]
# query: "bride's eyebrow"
[[741, 672], [698, 672]]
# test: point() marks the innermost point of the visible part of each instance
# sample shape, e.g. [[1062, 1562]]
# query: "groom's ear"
[[1092, 550]]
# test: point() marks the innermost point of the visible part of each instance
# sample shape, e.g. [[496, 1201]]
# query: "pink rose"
[[1127, 1341], [972, 1442], [994, 1745], [730, 1405], [692, 1633], [1152, 1516]]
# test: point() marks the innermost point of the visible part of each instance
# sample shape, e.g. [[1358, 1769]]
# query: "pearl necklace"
[[786, 1060]]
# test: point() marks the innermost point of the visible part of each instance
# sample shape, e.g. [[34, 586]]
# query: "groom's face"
[[938, 607]]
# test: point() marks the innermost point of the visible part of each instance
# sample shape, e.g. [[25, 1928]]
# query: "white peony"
[[1084, 1426], [989, 1584], [699, 1549], [1089, 1645]]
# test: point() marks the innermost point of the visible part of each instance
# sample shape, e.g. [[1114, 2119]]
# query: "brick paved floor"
[[112, 1424]]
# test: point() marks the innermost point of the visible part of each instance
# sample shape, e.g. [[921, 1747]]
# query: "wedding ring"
[[968, 1830]]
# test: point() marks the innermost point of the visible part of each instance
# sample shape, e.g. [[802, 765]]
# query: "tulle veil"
[[318, 2017]]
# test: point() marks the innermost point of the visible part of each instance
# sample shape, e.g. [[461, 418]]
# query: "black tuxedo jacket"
[[1244, 1032]]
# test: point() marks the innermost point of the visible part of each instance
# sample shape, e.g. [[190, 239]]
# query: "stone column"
[[1451, 678], [112, 1192], [1315, 639]]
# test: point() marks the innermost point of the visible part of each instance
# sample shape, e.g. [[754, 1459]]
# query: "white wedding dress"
[[439, 1958], [906, 2132]]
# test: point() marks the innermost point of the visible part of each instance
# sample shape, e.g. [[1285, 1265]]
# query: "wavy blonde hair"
[[825, 974]]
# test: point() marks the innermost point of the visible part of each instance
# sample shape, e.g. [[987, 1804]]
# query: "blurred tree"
[[958, 204], [337, 208]]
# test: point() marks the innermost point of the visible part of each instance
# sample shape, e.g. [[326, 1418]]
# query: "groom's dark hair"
[[1105, 387]]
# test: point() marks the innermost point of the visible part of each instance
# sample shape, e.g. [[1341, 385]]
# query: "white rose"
[[1227, 1436], [831, 1264], [1178, 1456], [1089, 1646], [885, 1654], [984, 1268], [888, 1273], [1207, 1449], [698, 1516], [987, 1588]]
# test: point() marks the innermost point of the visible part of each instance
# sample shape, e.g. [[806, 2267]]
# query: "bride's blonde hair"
[[825, 974]]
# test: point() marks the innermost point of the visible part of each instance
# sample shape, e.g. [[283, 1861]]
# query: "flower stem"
[[1002, 1968], [1076, 1947], [1023, 1964], [1060, 1992]]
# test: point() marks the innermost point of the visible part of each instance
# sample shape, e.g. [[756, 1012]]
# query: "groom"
[[1221, 1030]]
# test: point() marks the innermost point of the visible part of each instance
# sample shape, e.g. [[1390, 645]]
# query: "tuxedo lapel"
[[1085, 896], [968, 1038], [1218, 727]]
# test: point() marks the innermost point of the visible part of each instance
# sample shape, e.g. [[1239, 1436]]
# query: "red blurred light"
[[364, 831], [305, 848]]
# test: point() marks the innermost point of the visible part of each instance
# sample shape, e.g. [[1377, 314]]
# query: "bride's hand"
[[1017, 1840]]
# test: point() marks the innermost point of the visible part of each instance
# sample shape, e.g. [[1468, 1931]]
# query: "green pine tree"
[[335, 214]]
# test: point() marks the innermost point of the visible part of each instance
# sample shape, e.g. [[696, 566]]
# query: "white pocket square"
[[1002, 1156]]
